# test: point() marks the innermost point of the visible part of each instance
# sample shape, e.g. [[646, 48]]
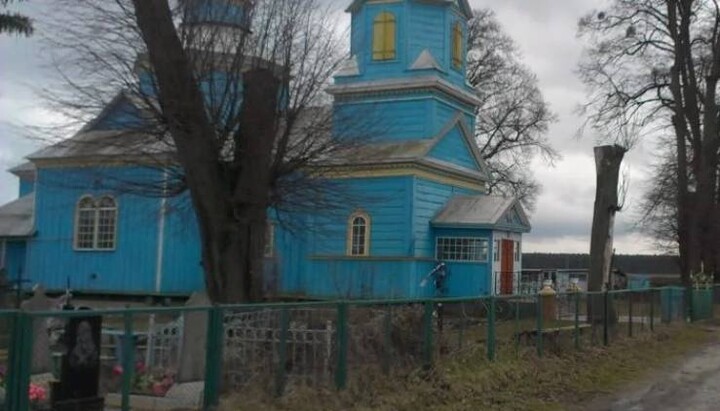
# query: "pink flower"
[[140, 367], [36, 393], [117, 370]]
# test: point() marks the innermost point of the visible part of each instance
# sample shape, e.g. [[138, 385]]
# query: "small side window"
[[457, 46], [358, 235]]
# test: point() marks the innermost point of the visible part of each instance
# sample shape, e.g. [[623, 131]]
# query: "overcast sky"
[[545, 31]]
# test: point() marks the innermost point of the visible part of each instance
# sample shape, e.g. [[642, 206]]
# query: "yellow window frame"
[[384, 36], [457, 45]]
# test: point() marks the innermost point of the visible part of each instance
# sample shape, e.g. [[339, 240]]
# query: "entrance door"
[[507, 267]]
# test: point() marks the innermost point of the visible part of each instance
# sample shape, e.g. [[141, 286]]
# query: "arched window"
[[457, 46], [85, 224], [384, 36], [359, 235], [106, 223], [95, 223]]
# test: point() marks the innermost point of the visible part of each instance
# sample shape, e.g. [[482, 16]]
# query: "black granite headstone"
[[80, 375]]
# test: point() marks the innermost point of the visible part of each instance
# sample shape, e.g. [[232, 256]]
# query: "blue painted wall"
[[51, 255], [387, 200], [181, 269], [122, 115], [386, 119], [402, 246], [397, 118], [454, 149], [419, 27], [25, 187], [15, 259], [468, 279], [429, 198]]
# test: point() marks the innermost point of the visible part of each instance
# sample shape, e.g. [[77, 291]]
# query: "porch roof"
[[16, 217], [483, 211]]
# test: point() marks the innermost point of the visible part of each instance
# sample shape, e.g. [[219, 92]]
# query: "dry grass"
[[467, 381]]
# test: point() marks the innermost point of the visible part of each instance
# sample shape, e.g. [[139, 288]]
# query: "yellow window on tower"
[[457, 49], [384, 37]]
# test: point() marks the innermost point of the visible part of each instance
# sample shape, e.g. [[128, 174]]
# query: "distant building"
[[635, 271], [423, 210]]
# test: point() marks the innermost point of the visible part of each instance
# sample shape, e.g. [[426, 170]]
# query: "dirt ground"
[[690, 384]]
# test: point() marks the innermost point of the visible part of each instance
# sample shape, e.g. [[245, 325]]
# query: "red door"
[[507, 266]]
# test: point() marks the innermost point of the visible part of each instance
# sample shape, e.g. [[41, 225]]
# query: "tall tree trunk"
[[686, 123], [254, 159], [230, 194], [608, 160]]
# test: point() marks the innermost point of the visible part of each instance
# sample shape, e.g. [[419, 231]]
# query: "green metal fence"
[[241, 348]]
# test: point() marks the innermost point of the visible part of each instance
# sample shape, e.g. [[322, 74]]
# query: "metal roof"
[[104, 143], [483, 211], [16, 217]]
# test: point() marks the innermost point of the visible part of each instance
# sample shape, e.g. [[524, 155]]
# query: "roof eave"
[[483, 226]]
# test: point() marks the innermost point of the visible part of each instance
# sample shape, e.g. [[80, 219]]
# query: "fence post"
[[577, 320], [282, 352], [491, 330], [21, 362], [387, 340], [342, 339], [689, 312], [606, 317], [517, 327], [652, 310], [428, 335], [630, 313], [14, 363], [214, 342], [539, 316], [128, 351]]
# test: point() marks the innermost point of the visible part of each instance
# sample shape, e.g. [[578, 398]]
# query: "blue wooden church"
[[421, 217]]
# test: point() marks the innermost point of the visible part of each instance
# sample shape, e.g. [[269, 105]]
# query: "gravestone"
[[80, 375], [192, 356], [42, 359]]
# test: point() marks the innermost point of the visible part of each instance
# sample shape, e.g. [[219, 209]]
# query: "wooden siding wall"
[[25, 187], [419, 27], [15, 259], [51, 255], [383, 120], [181, 262], [429, 198], [468, 279], [454, 149]]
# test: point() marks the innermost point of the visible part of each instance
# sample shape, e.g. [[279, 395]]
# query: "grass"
[[467, 381]]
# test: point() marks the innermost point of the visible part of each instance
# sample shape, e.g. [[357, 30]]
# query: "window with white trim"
[[96, 223], [496, 250], [517, 251], [461, 249], [358, 235]]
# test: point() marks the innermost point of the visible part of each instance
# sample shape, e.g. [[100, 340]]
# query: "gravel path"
[[692, 385]]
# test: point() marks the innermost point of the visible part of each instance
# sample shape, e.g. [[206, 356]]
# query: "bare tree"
[[655, 65], [658, 208], [233, 113], [513, 117]]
